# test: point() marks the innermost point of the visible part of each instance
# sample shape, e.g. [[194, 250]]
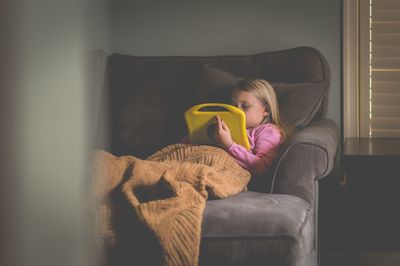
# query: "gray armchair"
[[275, 222]]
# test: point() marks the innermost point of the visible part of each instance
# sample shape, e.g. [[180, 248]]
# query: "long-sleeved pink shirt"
[[264, 143]]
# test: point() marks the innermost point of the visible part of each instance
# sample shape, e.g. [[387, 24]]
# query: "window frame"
[[357, 71], [351, 64]]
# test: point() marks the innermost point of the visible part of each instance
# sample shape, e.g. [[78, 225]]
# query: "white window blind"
[[380, 68]]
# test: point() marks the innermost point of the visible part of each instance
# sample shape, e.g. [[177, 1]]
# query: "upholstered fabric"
[[254, 214], [143, 111], [257, 229], [145, 95], [215, 84], [298, 102], [145, 92]]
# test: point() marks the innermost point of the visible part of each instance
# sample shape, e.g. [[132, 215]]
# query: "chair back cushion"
[[147, 96]]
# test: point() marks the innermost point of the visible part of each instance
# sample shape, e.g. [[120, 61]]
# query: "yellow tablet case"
[[198, 122]]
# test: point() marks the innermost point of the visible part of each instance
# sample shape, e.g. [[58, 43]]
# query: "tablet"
[[200, 121]]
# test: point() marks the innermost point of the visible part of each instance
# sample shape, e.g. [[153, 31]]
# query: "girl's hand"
[[222, 134]]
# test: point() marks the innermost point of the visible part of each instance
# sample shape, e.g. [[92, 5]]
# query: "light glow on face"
[[254, 109]]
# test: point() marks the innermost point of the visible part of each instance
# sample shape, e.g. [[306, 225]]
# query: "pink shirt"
[[264, 143]]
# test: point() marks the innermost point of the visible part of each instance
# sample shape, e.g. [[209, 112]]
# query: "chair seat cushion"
[[253, 227]]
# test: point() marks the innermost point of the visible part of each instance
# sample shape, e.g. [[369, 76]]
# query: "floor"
[[366, 259]]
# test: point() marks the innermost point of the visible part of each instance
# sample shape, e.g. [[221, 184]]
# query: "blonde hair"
[[264, 92]]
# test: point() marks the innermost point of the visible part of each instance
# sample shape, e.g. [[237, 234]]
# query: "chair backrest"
[[147, 96]]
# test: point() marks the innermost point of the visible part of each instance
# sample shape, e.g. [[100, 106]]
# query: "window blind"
[[383, 84]]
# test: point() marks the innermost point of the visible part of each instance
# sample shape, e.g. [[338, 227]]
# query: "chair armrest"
[[306, 157]]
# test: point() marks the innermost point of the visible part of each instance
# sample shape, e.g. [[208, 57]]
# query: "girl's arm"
[[266, 143]]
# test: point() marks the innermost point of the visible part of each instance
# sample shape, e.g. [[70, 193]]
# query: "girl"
[[257, 99]]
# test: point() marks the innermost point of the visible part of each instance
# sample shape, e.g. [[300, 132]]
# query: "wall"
[[98, 25], [44, 141], [230, 27]]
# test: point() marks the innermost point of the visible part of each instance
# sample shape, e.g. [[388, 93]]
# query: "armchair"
[[275, 222]]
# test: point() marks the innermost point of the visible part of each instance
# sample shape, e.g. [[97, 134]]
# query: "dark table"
[[372, 169]]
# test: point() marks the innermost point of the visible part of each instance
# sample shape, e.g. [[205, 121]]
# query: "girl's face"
[[254, 109]]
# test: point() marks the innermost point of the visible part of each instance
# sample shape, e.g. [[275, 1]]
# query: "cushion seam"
[[283, 237], [315, 109], [303, 224], [318, 176]]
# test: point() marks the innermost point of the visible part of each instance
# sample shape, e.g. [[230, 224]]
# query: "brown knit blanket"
[[168, 191]]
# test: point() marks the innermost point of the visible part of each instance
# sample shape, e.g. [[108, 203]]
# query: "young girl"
[[257, 99]]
